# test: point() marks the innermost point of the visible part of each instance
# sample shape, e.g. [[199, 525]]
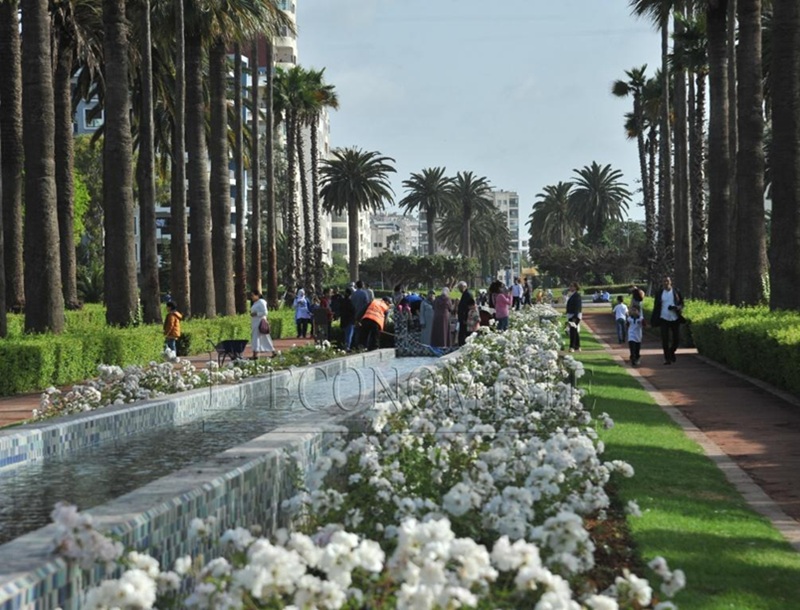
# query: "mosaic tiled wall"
[[244, 485]]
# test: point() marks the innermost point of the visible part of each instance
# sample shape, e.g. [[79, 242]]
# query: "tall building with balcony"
[[508, 204], [394, 233]]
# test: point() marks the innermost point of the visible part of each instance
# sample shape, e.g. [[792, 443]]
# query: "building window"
[[92, 123], [338, 232], [340, 248], [513, 202]]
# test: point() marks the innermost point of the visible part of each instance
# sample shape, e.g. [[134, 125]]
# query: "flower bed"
[[471, 490], [117, 385]]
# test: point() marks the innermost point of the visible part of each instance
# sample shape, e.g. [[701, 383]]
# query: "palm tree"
[[693, 56], [145, 175], [599, 196], [240, 263], [751, 250], [488, 232], [719, 154], [553, 220], [285, 102], [659, 12], [44, 300], [428, 193], [682, 242], [220, 184], [255, 171], [634, 86], [12, 152], [120, 257], [3, 316], [351, 181], [470, 197], [269, 163], [201, 279], [784, 252], [179, 247], [324, 97]]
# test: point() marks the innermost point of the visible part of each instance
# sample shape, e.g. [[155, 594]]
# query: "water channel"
[[98, 474]]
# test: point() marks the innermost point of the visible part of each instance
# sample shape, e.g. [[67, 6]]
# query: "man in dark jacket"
[[574, 311], [667, 315], [464, 303]]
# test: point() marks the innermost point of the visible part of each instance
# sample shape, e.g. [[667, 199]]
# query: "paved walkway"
[[751, 430], [17, 408]]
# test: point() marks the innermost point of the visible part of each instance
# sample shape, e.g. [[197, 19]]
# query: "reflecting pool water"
[[98, 474]]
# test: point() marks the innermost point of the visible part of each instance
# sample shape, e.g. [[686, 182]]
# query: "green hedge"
[[30, 363], [751, 340]]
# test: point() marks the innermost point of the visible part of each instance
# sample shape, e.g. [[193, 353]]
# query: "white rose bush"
[[115, 385], [471, 489]]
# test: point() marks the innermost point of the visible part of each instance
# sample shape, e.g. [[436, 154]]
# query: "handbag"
[[263, 326]]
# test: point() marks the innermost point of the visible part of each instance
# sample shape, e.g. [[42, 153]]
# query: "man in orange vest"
[[373, 320]]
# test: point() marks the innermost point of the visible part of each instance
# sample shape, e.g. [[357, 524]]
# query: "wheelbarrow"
[[229, 348]]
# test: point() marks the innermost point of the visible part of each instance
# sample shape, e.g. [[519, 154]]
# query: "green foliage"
[[752, 340], [82, 201], [421, 272], [689, 510]]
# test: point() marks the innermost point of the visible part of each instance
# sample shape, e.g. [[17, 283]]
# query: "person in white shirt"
[[667, 315], [635, 323], [516, 293], [620, 316]]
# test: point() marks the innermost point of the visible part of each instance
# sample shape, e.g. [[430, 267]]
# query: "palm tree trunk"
[[430, 223], [305, 267], [352, 240], [12, 153], [179, 251], [65, 162], [733, 138], [145, 176], [202, 264], [291, 227], [683, 245], [122, 303], [785, 156], [751, 251], [239, 264], [255, 177], [650, 218], [466, 237], [220, 182], [666, 212], [3, 315], [316, 212], [272, 231], [239, 261], [698, 192], [719, 155]]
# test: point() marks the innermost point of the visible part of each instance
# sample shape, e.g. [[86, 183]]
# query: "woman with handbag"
[[260, 338]]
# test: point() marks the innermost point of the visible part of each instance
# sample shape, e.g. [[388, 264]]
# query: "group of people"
[[629, 321]]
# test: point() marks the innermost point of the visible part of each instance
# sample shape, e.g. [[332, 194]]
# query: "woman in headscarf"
[[426, 318], [302, 313], [440, 332], [260, 342]]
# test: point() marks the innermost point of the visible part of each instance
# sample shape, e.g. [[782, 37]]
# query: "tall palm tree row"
[[351, 181]]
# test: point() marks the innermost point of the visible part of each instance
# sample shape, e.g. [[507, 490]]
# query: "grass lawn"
[[691, 515]]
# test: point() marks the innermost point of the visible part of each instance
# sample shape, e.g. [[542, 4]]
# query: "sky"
[[518, 91]]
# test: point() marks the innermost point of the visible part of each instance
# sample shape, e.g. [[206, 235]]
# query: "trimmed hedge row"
[[30, 363], [752, 340]]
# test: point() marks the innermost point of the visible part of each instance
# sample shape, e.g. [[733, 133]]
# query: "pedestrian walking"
[[574, 316], [667, 316]]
